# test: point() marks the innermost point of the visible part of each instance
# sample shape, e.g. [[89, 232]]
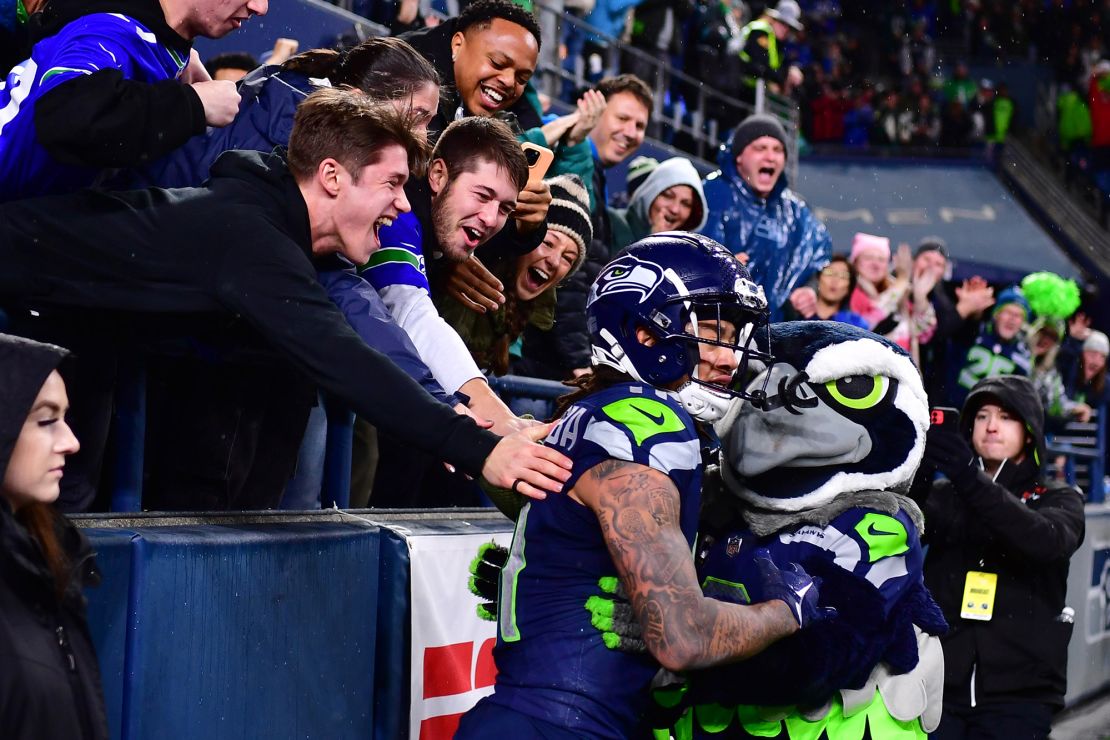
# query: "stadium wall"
[[337, 625]]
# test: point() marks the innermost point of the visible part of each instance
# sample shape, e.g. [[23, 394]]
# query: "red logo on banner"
[[447, 671]]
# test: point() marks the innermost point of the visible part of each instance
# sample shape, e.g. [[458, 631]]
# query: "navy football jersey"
[[552, 663]]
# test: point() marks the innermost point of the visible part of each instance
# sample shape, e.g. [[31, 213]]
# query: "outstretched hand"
[[520, 463]]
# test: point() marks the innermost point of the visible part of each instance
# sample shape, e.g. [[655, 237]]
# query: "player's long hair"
[[598, 379]]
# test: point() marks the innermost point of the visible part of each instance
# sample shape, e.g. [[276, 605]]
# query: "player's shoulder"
[[631, 421]]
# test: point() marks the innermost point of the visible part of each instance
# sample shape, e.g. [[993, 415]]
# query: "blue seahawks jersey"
[[400, 261], [989, 357], [88, 44], [552, 663], [877, 547]]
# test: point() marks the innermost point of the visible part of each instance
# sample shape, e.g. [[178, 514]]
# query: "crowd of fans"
[[498, 279], [362, 228]]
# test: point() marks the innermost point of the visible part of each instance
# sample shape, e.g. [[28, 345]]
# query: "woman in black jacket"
[[49, 679], [997, 519]]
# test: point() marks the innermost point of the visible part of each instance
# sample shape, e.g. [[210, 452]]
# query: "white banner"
[[452, 649]]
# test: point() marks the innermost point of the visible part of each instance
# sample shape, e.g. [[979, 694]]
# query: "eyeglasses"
[[832, 273]]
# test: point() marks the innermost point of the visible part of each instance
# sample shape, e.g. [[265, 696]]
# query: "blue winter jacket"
[[785, 242], [269, 99]]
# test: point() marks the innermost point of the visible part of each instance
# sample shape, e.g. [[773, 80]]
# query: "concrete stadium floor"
[[1089, 720]]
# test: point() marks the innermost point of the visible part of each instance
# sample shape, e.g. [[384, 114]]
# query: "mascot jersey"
[[870, 562], [816, 479], [552, 664]]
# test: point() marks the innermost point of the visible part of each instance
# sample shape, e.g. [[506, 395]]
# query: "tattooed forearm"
[[638, 509]]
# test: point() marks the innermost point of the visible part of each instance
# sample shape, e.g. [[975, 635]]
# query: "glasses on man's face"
[[834, 273]]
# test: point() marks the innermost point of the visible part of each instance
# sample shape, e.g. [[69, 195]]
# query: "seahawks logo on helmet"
[[627, 275]]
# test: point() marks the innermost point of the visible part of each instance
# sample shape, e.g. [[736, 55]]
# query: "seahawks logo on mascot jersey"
[[627, 275]]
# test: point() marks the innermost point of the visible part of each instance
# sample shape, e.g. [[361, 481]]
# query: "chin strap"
[[615, 356], [702, 403]]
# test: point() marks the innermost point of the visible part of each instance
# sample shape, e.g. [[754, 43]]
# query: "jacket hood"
[[57, 13], [1016, 394], [24, 367], [269, 172], [674, 171], [726, 160]]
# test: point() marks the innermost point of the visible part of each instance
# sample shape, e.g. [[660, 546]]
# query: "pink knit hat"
[[863, 241]]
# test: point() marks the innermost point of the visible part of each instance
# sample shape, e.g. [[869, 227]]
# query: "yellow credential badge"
[[979, 590]]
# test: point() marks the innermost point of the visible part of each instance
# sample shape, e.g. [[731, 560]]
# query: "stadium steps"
[[1083, 236]]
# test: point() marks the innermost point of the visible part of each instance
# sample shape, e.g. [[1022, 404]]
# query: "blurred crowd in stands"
[[490, 271]]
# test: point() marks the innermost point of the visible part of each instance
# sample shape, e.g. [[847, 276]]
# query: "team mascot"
[[818, 480], [814, 473]]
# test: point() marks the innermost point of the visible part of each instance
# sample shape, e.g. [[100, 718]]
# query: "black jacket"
[[434, 44], [1025, 531], [241, 246], [104, 119], [49, 679]]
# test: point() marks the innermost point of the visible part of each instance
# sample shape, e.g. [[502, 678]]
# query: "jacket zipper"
[[67, 653]]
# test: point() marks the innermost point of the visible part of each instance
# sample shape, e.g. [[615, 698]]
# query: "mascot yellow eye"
[[858, 392]]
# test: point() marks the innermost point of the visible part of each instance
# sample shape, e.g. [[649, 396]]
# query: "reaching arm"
[[638, 508]]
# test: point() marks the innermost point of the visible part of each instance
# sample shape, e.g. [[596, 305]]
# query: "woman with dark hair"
[[835, 284], [385, 68], [49, 680]]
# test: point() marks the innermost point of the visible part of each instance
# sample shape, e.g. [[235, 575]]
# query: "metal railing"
[[692, 118]]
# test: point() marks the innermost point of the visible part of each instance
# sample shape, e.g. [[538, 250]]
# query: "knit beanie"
[[638, 170], [754, 127], [861, 242], [569, 213], [1097, 342], [1013, 295], [932, 244]]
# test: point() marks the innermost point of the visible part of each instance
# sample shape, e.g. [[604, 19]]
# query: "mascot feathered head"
[[855, 421]]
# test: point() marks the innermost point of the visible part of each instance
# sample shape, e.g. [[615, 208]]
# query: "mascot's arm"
[[806, 668], [638, 509]]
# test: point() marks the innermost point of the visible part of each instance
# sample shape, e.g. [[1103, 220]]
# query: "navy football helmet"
[[667, 283]]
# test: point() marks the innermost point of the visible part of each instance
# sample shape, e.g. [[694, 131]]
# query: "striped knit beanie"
[[570, 213]]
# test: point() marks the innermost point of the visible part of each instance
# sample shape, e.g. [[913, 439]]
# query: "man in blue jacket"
[[762, 221], [111, 84]]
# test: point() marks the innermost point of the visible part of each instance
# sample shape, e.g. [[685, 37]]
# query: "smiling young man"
[[486, 56], [244, 245], [476, 172], [565, 350], [759, 218]]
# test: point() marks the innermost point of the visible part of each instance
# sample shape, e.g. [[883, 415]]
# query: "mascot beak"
[[817, 437]]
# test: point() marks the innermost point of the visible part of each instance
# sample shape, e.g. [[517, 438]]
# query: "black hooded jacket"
[[239, 246], [49, 678], [1021, 528], [104, 119]]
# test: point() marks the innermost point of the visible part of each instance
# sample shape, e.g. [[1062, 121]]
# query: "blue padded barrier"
[[253, 631], [108, 615], [391, 695]]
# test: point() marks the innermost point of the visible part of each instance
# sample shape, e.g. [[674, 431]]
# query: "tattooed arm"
[[638, 508]]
